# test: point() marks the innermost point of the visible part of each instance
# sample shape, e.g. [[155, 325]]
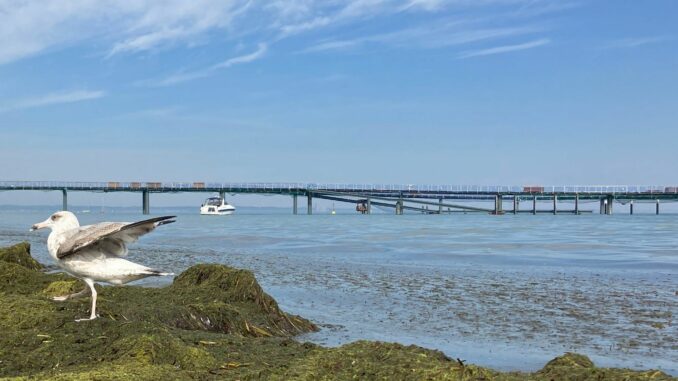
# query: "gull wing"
[[110, 237]]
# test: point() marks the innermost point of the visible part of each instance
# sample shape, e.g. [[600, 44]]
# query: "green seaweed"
[[213, 322], [21, 255]]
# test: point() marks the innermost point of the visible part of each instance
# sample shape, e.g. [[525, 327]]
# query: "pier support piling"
[[309, 203], [145, 202], [576, 203], [440, 205], [64, 199], [515, 204], [534, 204], [555, 204], [294, 204], [657, 208], [602, 205], [609, 204], [498, 209], [222, 195], [369, 206], [631, 207], [399, 207]]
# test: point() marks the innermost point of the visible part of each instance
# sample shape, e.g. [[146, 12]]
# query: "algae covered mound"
[[21, 255], [577, 367], [365, 360], [213, 323]]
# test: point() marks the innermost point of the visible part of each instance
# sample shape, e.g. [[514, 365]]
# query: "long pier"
[[431, 199]]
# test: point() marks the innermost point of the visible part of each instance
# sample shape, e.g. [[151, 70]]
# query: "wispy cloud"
[[637, 41], [118, 28], [428, 37], [29, 28], [53, 99], [206, 72], [505, 48], [428, 5]]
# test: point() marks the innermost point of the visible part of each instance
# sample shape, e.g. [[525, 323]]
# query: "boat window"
[[213, 201]]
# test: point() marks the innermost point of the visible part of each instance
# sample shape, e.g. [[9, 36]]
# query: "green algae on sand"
[[213, 322]]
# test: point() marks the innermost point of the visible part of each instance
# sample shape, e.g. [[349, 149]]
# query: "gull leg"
[[71, 296], [93, 315]]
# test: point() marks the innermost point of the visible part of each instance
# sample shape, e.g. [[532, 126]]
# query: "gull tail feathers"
[[153, 272]]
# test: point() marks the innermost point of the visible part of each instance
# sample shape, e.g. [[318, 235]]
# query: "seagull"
[[95, 253]]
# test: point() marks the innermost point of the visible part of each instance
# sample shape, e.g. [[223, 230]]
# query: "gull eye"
[[54, 217]]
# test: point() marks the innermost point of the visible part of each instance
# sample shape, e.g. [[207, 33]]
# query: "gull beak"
[[40, 225]]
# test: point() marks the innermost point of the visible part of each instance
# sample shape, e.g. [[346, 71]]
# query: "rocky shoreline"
[[213, 322]]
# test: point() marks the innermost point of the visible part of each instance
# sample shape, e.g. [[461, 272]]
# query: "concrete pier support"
[[515, 204], [399, 207], [657, 208], [555, 204], [294, 204], [631, 207], [534, 204], [64, 199], [576, 203], [146, 202], [440, 205], [309, 203], [369, 206], [606, 204], [498, 209]]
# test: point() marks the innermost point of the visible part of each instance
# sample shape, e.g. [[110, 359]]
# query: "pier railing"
[[337, 187]]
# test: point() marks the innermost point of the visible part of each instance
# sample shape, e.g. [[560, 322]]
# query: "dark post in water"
[[145, 202], [64, 195], [309, 203]]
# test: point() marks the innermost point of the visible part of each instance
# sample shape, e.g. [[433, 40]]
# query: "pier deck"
[[418, 197]]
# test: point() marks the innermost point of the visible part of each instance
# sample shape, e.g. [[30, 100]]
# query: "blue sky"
[[371, 91]]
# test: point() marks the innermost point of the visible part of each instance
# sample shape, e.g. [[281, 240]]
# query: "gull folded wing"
[[110, 237]]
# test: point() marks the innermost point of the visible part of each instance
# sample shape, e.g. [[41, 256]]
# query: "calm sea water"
[[509, 292]]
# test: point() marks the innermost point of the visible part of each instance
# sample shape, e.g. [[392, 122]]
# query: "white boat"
[[216, 206]]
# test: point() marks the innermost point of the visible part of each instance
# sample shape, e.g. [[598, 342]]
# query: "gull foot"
[[86, 319], [70, 296]]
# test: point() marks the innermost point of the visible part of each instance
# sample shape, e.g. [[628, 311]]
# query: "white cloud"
[[206, 72], [428, 5], [260, 52], [52, 99], [429, 37], [31, 27], [115, 27], [506, 48], [637, 41]]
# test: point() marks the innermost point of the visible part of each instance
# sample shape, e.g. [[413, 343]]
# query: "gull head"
[[59, 221]]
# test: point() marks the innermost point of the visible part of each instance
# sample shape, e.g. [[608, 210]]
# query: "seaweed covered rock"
[[577, 367], [21, 255], [213, 298], [214, 290], [365, 360], [569, 360]]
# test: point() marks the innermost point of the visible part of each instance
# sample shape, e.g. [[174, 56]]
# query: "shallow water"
[[509, 292]]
